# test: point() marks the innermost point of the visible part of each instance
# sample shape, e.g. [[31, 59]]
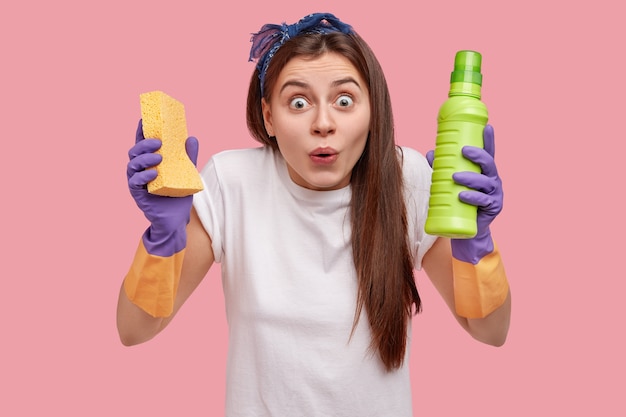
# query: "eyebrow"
[[335, 83]]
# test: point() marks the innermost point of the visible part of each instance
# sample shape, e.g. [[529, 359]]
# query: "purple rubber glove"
[[168, 216], [486, 194]]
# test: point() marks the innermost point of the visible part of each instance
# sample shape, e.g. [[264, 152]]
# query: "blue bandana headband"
[[271, 37]]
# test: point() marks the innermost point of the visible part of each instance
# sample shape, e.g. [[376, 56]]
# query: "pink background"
[[71, 75]]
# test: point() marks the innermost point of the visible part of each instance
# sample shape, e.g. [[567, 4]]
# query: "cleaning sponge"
[[163, 117]]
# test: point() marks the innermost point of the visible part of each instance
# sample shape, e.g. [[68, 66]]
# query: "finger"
[[139, 180], [481, 157], [142, 162], [139, 133], [192, 146], [476, 181], [430, 157], [486, 202], [144, 146], [489, 140]]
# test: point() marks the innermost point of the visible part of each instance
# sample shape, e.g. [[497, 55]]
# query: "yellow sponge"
[[163, 117]]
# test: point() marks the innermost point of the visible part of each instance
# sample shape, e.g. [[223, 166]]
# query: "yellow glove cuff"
[[479, 289], [152, 281]]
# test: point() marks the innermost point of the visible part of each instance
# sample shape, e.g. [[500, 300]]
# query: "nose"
[[324, 123]]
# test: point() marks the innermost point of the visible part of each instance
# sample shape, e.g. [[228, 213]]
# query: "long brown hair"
[[382, 258]]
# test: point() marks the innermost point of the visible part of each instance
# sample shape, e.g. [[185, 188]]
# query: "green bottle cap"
[[467, 68]]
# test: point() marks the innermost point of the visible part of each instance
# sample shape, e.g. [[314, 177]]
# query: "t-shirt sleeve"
[[417, 176], [209, 205]]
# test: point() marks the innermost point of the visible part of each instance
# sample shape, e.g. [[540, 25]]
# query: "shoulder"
[[415, 168], [238, 162], [241, 156]]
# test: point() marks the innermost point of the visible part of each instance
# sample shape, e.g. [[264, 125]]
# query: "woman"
[[317, 233]]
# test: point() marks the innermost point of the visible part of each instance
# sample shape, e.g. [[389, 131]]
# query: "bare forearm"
[[492, 329], [133, 324], [137, 326]]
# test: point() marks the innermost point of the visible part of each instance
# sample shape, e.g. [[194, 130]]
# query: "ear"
[[267, 117]]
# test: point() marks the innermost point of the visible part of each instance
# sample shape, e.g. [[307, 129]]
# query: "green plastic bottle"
[[461, 121]]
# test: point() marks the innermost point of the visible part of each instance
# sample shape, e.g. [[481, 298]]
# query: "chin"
[[319, 180], [326, 185]]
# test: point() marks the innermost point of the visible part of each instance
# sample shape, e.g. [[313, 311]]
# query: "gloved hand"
[[486, 194], [168, 216]]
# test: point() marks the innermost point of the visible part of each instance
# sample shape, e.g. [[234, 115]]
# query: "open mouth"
[[324, 152], [324, 155]]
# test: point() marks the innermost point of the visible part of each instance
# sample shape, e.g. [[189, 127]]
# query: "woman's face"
[[320, 115]]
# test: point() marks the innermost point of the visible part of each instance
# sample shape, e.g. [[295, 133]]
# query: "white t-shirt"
[[290, 290]]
